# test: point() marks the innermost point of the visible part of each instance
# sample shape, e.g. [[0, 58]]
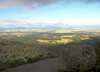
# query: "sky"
[[49, 14]]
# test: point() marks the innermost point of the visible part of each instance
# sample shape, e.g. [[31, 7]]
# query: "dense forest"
[[12, 51]]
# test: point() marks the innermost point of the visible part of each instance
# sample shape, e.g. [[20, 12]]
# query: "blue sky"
[[46, 13]]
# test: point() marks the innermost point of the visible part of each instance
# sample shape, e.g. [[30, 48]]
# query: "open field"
[[51, 38], [48, 36]]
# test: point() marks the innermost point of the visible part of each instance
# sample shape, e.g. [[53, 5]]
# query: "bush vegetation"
[[16, 53]]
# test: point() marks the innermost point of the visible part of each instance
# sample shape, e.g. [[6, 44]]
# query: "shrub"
[[17, 63], [40, 57], [31, 60]]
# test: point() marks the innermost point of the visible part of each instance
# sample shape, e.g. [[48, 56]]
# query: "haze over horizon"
[[49, 14]]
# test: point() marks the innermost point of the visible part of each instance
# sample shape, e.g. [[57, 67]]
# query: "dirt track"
[[47, 65]]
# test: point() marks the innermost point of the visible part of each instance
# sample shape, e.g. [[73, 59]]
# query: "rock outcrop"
[[77, 57]]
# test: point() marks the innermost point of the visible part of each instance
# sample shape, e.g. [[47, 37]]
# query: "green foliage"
[[17, 53], [35, 59], [30, 60], [40, 57], [13, 50], [31, 38], [17, 63], [97, 44]]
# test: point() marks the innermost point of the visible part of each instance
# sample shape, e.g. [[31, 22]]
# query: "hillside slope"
[[47, 65]]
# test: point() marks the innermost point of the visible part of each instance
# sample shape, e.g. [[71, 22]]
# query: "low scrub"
[[40, 57], [17, 63], [29, 60]]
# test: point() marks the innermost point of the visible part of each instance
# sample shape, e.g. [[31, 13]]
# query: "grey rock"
[[77, 57]]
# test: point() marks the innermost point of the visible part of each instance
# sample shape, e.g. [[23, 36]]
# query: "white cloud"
[[34, 4], [25, 24], [25, 17]]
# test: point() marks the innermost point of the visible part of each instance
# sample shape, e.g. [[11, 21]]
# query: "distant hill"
[[55, 27]]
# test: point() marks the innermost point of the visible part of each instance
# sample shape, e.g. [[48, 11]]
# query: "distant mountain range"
[[54, 27]]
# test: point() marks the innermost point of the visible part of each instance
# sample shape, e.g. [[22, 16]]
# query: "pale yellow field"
[[45, 41], [62, 41], [68, 36]]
